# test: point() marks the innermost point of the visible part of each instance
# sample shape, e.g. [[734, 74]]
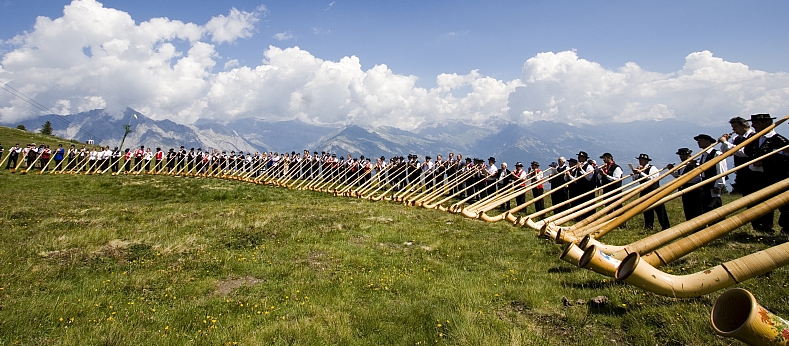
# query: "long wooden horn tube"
[[394, 183], [571, 254], [498, 198], [2, 163], [655, 241], [686, 245], [437, 188], [614, 210], [440, 187], [451, 184], [331, 174], [501, 196], [575, 210], [408, 185], [38, 157], [456, 207], [460, 180], [723, 174], [584, 208], [640, 274], [599, 262], [382, 177], [642, 203], [736, 314], [385, 174], [68, 163], [509, 213], [522, 221], [79, 167], [43, 169], [501, 216]]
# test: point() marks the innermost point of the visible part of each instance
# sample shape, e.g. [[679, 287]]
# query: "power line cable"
[[18, 94]]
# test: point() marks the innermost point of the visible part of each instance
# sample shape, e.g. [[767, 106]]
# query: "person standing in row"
[[691, 199], [711, 191], [769, 170], [537, 189], [645, 169]]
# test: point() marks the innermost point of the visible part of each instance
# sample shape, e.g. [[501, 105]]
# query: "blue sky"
[[429, 38]]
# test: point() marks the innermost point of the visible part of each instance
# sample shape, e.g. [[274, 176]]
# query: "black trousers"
[[691, 204], [539, 205], [559, 197], [660, 211]]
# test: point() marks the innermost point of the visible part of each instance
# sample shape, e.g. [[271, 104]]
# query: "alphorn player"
[[741, 131], [558, 173], [644, 169], [711, 190], [584, 185], [519, 175], [608, 173], [771, 169], [504, 179], [537, 190], [691, 200]]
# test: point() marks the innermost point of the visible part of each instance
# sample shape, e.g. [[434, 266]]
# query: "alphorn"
[[714, 215], [583, 208], [618, 208], [21, 158], [652, 242], [736, 314], [508, 214], [68, 163], [498, 195], [2, 163], [448, 183], [593, 222], [643, 269], [643, 202], [33, 164], [394, 182], [469, 175], [633, 271], [44, 168], [457, 181], [716, 177], [391, 179], [602, 200]]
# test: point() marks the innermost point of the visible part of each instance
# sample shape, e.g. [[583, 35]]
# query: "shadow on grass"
[[607, 310], [562, 269], [749, 238], [595, 284]]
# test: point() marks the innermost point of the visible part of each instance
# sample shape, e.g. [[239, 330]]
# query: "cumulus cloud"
[[563, 87], [97, 57], [237, 24]]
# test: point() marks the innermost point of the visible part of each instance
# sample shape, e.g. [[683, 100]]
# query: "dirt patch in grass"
[[226, 287], [115, 248], [63, 256], [556, 326]]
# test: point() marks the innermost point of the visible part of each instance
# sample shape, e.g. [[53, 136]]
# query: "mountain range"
[[542, 141]]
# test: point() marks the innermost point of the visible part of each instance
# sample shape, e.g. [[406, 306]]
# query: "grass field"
[[133, 260]]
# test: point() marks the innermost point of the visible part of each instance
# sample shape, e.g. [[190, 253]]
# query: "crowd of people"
[[571, 179]]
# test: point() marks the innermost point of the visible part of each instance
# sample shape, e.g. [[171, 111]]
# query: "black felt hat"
[[684, 151], [704, 136], [763, 116], [644, 157]]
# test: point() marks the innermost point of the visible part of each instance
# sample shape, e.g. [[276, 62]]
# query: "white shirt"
[[720, 168]]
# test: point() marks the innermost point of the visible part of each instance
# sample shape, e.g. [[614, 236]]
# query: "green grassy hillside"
[[132, 260]]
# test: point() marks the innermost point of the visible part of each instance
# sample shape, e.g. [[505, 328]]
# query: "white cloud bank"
[[96, 57]]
